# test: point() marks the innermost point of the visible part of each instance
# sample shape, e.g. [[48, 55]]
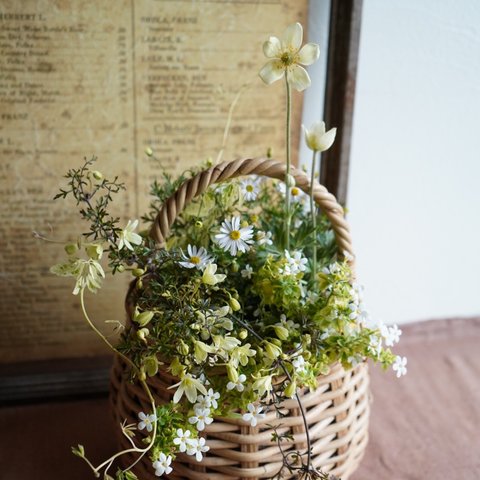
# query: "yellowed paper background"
[[110, 78]]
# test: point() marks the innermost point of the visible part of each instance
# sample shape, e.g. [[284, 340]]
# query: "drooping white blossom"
[[317, 139]]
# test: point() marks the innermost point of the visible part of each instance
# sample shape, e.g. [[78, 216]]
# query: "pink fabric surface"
[[423, 426]]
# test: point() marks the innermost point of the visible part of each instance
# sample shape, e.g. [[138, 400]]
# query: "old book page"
[[111, 78]]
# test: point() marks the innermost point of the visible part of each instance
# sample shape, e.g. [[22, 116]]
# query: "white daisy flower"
[[146, 421], [201, 419], [198, 448], [239, 384], [247, 271], [183, 440], [400, 366], [234, 238], [254, 414], [196, 258], [162, 465], [250, 188]]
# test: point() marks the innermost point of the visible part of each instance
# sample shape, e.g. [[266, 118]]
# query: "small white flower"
[[212, 398], [247, 271], [204, 379], [197, 448], [196, 258], [238, 385], [210, 277], [290, 324], [146, 421], [254, 414], [286, 55], [203, 403], [250, 188], [331, 269], [201, 419], [162, 465], [264, 238], [183, 440], [128, 236], [354, 361], [317, 139], [394, 334], [400, 366], [299, 364], [375, 345], [295, 264], [234, 238]]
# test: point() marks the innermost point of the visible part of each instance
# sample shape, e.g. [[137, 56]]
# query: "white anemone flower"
[[234, 238], [146, 421], [128, 236], [286, 55], [317, 139], [400, 366], [254, 414], [162, 465], [196, 258], [198, 448]]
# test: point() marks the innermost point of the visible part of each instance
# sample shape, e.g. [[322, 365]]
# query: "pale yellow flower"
[[128, 236], [287, 55], [209, 276], [190, 386], [317, 139], [88, 273]]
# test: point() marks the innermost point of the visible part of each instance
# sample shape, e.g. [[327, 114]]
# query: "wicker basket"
[[337, 412]]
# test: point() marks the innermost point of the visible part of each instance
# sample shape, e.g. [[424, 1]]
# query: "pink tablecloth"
[[424, 426]]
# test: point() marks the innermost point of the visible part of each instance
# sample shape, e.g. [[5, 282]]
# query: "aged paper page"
[[111, 78]]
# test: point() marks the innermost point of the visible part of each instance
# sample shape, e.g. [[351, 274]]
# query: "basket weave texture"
[[337, 412]]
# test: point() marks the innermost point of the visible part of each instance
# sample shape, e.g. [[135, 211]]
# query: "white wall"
[[414, 193]]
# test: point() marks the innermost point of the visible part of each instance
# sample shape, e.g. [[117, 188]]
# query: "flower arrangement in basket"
[[244, 351]]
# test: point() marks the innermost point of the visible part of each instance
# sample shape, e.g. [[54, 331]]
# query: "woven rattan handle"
[[250, 166]]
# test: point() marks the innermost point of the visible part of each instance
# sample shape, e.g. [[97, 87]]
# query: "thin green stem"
[[287, 172], [313, 211]]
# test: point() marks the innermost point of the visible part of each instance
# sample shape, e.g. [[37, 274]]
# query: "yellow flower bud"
[[232, 373], [142, 318], [142, 377], [254, 218], [139, 284], [209, 161], [244, 224], [149, 151], [183, 348], [272, 351], [290, 181], [138, 272], [94, 251], [151, 366], [198, 224], [120, 268], [235, 267], [281, 332], [97, 175], [291, 389], [235, 304], [242, 334], [143, 333], [269, 152], [71, 248]]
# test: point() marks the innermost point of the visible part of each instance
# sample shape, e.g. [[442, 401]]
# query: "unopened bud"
[[244, 224], [254, 218], [232, 374], [71, 248], [149, 151], [269, 152], [198, 224], [138, 272], [235, 267], [143, 333], [183, 348], [120, 268], [291, 389], [281, 332], [235, 304], [97, 175], [242, 334], [209, 161], [290, 181]]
